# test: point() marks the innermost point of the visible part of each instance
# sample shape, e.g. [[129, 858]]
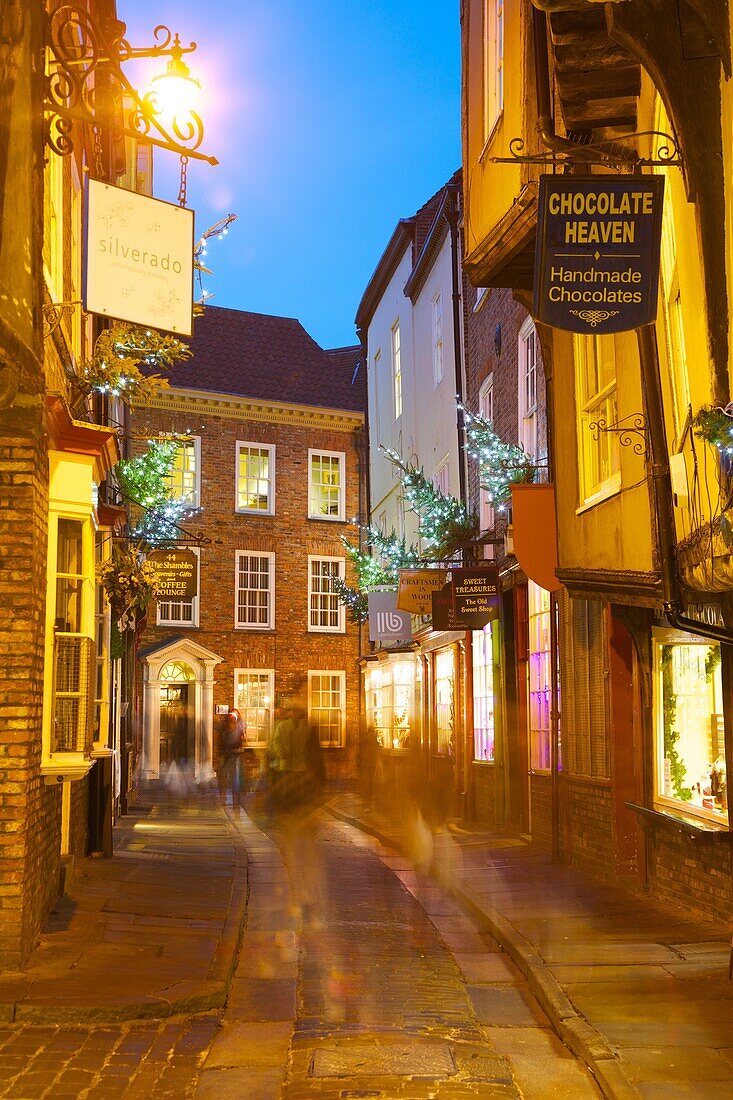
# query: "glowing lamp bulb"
[[175, 92]]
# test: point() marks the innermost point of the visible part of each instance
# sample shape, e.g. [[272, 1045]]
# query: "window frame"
[[493, 66], [270, 448], [314, 452], [487, 513], [270, 674], [587, 408], [187, 624], [438, 341], [484, 693], [527, 426], [396, 346], [662, 637], [341, 609], [195, 502], [540, 736], [341, 674], [270, 624]]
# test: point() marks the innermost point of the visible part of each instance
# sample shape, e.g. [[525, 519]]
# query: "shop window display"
[[691, 772], [390, 702]]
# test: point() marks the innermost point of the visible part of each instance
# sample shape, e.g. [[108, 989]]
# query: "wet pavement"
[[330, 968]]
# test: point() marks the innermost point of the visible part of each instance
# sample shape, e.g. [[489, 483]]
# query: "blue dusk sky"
[[331, 119]]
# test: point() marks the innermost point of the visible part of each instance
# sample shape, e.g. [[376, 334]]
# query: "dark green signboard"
[[445, 617], [176, 573], [597, 254]]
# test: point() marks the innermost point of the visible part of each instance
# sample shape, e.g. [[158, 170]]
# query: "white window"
[[486, 508], [396, 370], [493, 64], [445, 701], [538, 606], [327, 706], [441, 477], [327, 475], [438, 338], [595, 380], [690, 772], [74, 651], [483, 694], [254, 607], [527, 388], [185, 475], [254, 691], [181, 612], [390, 702], [325, 610], [256, 478]]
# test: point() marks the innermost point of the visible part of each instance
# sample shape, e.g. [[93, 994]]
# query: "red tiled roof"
[[272, 358]]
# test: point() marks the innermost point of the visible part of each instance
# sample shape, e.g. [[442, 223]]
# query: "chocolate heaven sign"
[[176, 573], [597, 257]]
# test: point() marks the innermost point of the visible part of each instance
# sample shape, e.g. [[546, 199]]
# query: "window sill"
[[65, 768], [255, 629], [254, 512], [327, 519], [610, 488], [326, 630], [178, 624], [682, 823], [485, 763]]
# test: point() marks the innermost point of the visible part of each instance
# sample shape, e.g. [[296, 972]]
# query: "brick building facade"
[[273, 459]]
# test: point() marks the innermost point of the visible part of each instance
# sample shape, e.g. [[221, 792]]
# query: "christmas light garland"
[[123, 354], [501, 464], [445, 524], [715, 425], [144, 482]]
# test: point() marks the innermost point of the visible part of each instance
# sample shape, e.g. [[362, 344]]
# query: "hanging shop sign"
[[138, 263], [597, 255], [386, 622], [416, 589], [475, 589], [443, 612], [176, 573]]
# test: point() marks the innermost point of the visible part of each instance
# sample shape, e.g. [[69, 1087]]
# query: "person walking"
[[232, 758]]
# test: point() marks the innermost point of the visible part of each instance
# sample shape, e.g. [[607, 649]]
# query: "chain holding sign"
[[597, 256], [176, 573]]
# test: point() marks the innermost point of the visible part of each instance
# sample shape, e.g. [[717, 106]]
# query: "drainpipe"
[[662, 491], [452, 213]]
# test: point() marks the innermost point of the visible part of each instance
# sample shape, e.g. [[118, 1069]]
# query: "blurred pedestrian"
[[231, 746]]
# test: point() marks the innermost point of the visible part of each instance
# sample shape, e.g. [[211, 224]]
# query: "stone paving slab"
[[137, 937], [613, 971]]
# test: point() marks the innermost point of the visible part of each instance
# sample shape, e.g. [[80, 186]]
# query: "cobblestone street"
[[360, 981]]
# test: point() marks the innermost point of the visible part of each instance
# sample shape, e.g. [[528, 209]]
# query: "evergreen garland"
[[677, 770], [122, 358], [144, 482], [715, 425], [501, 464], [445, 524]]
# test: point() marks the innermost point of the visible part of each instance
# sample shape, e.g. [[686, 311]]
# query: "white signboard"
[[139, 259], [386, 623]]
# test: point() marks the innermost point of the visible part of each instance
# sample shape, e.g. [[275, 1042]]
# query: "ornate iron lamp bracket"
[[85, 83], [626, 428], [606, 153], [53, 315]]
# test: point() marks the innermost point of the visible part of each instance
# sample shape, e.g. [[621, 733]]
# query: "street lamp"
[[85, 84]]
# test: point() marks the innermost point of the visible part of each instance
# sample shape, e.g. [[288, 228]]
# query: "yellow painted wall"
[[490, 189]]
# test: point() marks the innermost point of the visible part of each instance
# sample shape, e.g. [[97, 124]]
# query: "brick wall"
[[290, 649], [586, 826], [29, 812], [541, 816], [693, 871]]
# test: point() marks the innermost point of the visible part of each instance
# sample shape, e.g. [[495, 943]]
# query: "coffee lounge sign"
[[139, 259], [176, 573], [597, 261]]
